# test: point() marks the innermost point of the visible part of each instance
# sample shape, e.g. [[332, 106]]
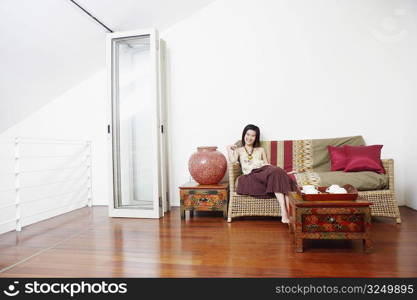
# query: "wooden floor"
[[86, 243]]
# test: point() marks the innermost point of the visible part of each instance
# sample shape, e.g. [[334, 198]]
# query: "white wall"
[[78, 114], [46, 48], [296, 68], [49, 46]]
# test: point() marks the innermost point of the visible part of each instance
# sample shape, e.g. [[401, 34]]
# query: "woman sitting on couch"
[[260, 179]]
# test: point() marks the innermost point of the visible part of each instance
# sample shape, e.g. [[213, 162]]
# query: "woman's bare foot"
[[283, 206]]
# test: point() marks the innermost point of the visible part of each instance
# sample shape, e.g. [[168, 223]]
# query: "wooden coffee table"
[[349, 220]]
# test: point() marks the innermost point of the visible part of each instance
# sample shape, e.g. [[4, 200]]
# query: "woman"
[[260, 179]]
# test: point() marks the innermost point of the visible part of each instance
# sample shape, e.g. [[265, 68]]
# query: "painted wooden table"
[[209, 197], [329, 220]]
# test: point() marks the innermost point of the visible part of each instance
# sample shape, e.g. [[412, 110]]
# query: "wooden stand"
[[329, 220], [212, 197]]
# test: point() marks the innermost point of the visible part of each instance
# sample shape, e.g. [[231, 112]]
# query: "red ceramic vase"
[[207, 165]]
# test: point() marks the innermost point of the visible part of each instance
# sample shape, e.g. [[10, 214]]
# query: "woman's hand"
[[233, 155]]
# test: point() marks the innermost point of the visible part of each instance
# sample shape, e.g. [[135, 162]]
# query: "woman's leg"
[[287, 203], [283, 206]]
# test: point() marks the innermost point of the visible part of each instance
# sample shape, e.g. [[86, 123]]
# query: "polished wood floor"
[[86, 243]]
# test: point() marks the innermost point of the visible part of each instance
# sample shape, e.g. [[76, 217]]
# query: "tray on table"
[[351, 195]]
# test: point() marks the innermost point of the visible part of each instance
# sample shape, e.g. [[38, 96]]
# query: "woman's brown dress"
[[262, 180]]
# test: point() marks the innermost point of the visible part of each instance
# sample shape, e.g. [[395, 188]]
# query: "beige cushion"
[[320, 153], [363, 181]]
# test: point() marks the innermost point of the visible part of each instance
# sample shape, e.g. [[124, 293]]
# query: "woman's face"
[[250, 137]]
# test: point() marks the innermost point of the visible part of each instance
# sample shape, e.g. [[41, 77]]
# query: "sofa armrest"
[[234, 172], [389, 169]]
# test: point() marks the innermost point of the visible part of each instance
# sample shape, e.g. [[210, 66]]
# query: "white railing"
[[42, 178]]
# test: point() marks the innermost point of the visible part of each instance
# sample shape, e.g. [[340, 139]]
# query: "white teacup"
[[339, 191], [335, 189], [310, 189], [332, 187]]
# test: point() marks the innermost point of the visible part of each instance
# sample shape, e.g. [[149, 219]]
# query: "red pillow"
[[337, 158], [364, 158]]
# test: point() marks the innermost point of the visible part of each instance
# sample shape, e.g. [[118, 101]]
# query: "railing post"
[[88, 166], [17, 183]]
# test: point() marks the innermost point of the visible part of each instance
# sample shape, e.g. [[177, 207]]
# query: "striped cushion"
[[292, 156], [304, 155]]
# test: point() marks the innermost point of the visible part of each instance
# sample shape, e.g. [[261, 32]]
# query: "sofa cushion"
[[321, 157], [363, 181], [290, 155], [363, 158], [337, 158], [305, 155]]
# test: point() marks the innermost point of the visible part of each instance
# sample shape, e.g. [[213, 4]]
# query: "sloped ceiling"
[[49, 46]]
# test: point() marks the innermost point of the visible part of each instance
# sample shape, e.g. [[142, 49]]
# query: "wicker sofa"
[[310, 162]]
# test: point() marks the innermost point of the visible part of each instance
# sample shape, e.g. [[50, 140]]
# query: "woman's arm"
[[233, 153], [264, 158]]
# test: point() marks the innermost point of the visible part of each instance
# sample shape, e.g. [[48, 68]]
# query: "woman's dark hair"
[[258, 133]]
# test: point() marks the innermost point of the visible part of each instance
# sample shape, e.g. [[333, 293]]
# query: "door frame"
[[114, 190]]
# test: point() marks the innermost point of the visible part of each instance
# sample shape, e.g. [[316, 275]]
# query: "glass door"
[[135, 130]]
